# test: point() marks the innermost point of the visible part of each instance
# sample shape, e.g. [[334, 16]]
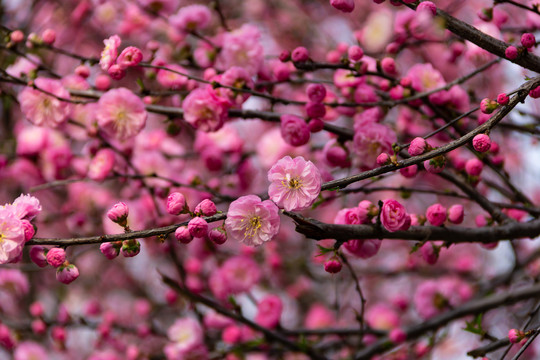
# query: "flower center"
[[253, 226], [292, 183]]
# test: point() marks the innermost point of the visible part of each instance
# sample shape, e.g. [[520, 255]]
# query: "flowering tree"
[[269, 179]]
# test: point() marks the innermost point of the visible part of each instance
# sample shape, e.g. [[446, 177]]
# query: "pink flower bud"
[[315, 110], [315, 125], [29, 230], [58, 333], [101, 165], [67, 274], [103, 82], [503, 99], [427, 5], [284, 56], [417, 147], [528, 40], [119, 213], [38, 327], [455, 214], [176, 204], [485, 14], [474, 167], [116, 72], [300, 54], [394, 217], [110, 250], [487, 106], [480, 220], [409, 171], [198, 227], [397, 336], [436, 214], [130, 56], [332, 266], [481, 143], [316, 92], [383, 159], [218, 237], [346, 6], [206, 208], [535, 93], [49, 36], [515, 335], [83, 71], [38, 256], [338, 156], [130, 248], [435, 165], [16, 36], [511, 52], [183, 235], [355, 53], [56, 257], [36, 309], [388, 66]]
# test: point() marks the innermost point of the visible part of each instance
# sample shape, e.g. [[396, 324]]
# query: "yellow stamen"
[[253, 227]]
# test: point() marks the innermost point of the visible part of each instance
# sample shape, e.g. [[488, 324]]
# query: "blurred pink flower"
[[42, 109], [110, 52]]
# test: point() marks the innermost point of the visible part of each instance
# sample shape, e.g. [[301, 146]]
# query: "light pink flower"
[[371, 140], [394, 217], [56, 257], [121, 114], [14, 281], [176, 203], [185, 334], [239, 274], [172, 80], [42, 109], [204, 110], [192, 17], [424, 77], [110, 52], [242, 48], [252, 221], [101, 165], [12, 237], [26, 207], [29, 350], [294, 183], [455, 214]]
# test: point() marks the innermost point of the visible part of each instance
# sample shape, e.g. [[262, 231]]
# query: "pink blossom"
[[300, 54], [206, 208], [101, 165], [183, 235], [198, 227], [436, 214], [26, 207], [515, 336], [110, 250], [11, 236], [56, 257], [294, 130], [130, 56], [332, 266], [37, 255], [481, 143], [235, 77], [185, 334], [474, 167], [67, 274], [217, 236], [204, 110], [346, 6], [239, 273], [172, 79], [316, 92], [397, 335], [42, 109], [110, 52], [429, 254], [192, 17], [252, 221], [29, 350], [121, 114], [424, 77], [116, 72], [528, 40], [455, 214], [242, 48], [118, 213], [294, 183], [511, 52], [382, 317], [394, 217], [14, 281], [176, 203], [417, 147], [269, 311], [370, 140]]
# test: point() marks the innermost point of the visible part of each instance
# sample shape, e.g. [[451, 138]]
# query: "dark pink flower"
[[394, 217]]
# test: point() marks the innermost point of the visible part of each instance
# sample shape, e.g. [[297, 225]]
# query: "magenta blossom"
[[252, 221], [394, 217], [294, 130], [121, 114], [269, 311], [370, 140], [42, 109], [130, 56], [294, 183]]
